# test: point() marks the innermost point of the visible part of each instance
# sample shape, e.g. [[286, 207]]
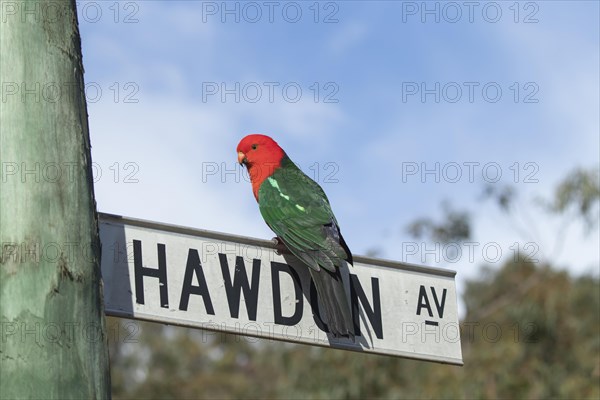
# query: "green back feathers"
[[296, 208]]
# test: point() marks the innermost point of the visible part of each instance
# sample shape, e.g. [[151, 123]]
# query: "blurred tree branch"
[[454, 227], [579, 192]]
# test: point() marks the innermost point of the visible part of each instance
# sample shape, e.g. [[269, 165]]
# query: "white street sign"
[[221, 282]]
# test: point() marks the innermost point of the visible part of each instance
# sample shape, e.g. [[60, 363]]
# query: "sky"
[[393, 107]]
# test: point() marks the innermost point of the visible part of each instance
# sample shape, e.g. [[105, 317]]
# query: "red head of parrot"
[[262, 156]]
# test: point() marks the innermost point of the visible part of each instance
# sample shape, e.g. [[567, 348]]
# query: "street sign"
[[240, 285]]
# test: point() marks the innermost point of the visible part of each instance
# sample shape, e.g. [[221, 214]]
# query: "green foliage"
[[580, 190], [455, 227], [531, 323], [503, 195]]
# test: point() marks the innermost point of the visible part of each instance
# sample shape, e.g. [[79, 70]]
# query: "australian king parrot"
[[296, 208]]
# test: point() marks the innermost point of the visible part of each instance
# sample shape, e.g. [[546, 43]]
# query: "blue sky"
[[372, 58]]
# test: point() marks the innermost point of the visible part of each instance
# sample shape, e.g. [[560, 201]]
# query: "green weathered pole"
[[52, 329]]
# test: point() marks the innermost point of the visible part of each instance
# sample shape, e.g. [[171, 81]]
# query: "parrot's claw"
[[279, 246]]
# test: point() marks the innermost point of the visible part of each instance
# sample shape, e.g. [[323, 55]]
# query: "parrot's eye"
[[254, 146]]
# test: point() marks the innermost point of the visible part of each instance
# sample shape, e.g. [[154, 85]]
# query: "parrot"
[[297, 210]]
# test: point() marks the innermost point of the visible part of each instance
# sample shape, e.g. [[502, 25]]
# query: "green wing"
[[296, 208]]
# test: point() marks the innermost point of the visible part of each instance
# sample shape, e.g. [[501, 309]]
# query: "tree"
[[52, 319]]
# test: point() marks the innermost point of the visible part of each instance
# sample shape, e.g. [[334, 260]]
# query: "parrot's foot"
[[279, 246]]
